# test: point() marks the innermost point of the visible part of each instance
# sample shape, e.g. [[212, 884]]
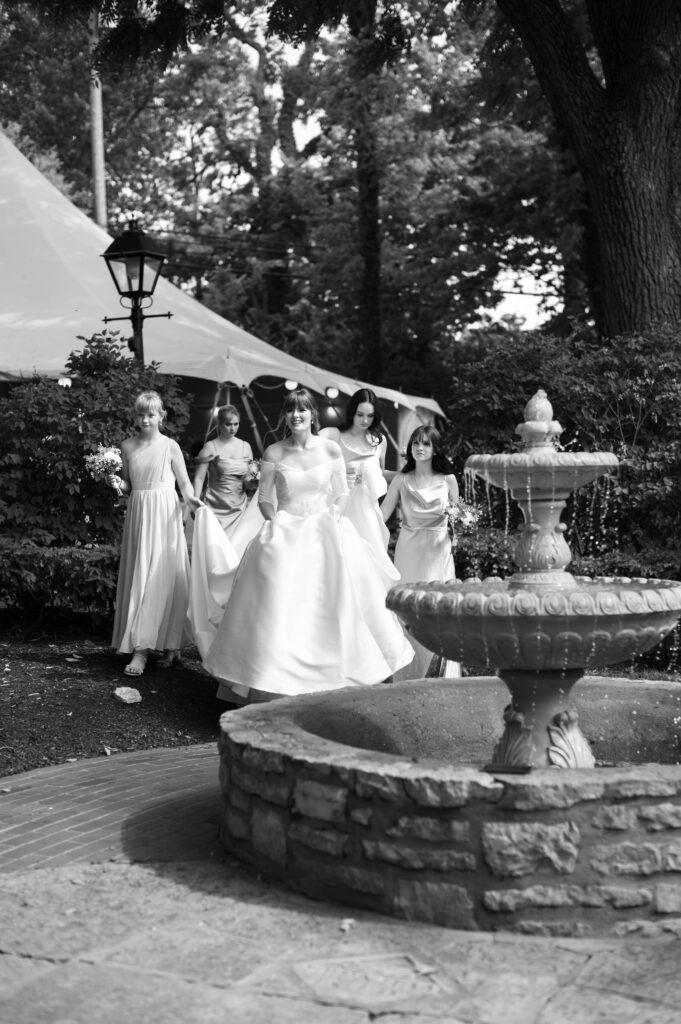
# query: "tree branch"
[[561, 65]]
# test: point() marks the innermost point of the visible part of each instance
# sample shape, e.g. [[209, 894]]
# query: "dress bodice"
[[150, 467], [423, 508], [220, 465], [301, 492], [363, 467]]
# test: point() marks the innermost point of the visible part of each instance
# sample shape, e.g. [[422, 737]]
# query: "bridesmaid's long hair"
[[300, 399], [441, 463], [375, 431]]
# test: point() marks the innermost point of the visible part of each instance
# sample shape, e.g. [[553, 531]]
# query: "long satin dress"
[[423, 553], [306, 612], [225, 493], [153, 578]]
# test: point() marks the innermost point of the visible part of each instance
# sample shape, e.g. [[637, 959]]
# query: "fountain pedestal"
[[541, 727]]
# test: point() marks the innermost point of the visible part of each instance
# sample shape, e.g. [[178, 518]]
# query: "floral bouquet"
[[461, 517], [103, 463], [251, 478]]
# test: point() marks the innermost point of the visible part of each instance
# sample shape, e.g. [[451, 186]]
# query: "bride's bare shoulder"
[[332, 448], [273, 453]]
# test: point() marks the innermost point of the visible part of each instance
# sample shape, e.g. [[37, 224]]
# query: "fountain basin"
[[408, 824], [587, 624]]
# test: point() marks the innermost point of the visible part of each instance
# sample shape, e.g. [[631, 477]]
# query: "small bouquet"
[[461, 517], [251, 478], [103, 463]]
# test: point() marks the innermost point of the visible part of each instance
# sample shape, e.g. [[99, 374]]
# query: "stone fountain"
[[383, 797], [543, 627]]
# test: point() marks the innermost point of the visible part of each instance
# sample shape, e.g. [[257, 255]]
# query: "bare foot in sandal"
[[137, 664]]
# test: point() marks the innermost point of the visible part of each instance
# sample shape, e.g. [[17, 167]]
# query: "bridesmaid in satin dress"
[[423, 490], [225, 462], [363, 446], [306, 611]]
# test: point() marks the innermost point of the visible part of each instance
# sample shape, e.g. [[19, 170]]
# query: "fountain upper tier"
[[540, 478], [540, 471]]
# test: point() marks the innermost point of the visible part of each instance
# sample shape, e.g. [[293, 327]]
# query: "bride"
[[306, 611]]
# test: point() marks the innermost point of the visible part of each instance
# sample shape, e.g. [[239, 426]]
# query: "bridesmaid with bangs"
[[152, 596]]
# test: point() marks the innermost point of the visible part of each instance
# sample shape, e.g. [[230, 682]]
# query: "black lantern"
[[135, 265]]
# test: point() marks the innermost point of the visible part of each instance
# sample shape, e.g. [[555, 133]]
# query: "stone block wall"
[[575, 853]]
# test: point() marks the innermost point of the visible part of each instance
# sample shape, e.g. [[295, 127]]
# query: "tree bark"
[[622, 120]]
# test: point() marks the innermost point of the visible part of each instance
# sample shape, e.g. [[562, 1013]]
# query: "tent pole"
[[211, 418], [390, 438], [251, 419], [258, 407]]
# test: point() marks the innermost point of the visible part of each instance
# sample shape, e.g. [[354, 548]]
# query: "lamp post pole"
[[137, 319]]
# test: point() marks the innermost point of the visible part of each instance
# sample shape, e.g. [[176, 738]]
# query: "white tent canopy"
[[55, 288]]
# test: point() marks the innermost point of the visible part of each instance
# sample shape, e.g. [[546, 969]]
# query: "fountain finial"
[[539, 428]]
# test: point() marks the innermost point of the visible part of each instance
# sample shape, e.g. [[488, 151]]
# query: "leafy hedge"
[[37, 584]]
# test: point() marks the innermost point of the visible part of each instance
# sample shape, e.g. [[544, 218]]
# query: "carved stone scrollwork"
[[514, 749], [568, 747]]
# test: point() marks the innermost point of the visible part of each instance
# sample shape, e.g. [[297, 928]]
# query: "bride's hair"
[[426, 432], [300, 399]]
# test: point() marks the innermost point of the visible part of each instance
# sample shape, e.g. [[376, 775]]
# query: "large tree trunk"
[[637, 238], [623, 122]]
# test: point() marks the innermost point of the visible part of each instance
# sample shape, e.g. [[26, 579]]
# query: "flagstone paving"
[[113, 912]]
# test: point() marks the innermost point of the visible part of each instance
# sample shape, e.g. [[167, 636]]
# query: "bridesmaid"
[[363, 446], [225, 462], [153, 579], [423, 490]]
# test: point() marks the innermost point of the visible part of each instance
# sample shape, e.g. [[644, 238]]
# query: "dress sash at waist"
[[304, 508], [438, 528], [162, 485]]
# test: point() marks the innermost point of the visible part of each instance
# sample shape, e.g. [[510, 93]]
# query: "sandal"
[[136, 665], [169, 659]]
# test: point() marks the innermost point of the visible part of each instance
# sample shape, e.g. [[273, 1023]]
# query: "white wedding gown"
[[305, 611]]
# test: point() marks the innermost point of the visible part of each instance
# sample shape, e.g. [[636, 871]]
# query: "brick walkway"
[[158, 805], [199, 941]]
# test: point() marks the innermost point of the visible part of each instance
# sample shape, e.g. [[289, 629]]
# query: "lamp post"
[[135, 265]]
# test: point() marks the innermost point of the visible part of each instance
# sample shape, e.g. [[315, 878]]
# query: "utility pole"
[[97, 128]]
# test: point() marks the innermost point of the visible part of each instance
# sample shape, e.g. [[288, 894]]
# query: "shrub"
[[37, 582], [46, 431], [485, 552]]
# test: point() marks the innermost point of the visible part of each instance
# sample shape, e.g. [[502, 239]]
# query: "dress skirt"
[[153, 579]]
